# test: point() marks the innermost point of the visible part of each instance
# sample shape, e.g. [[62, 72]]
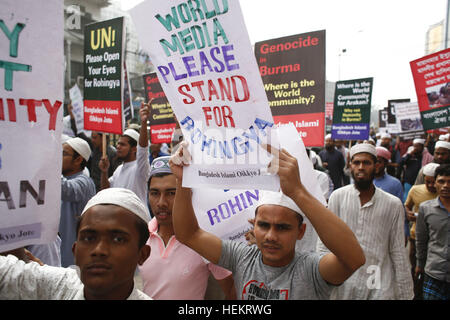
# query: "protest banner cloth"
[[103, 76], [293, 72], [76, 99], [351, 115], [225, 213], [31, 95], [408, 120], [431, 76], [207, 69], [162, 120]]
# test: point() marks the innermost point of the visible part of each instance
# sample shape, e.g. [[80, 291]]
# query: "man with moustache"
[[132, 149], [333, 161], [441, 155], [377, 220], [174, 271]]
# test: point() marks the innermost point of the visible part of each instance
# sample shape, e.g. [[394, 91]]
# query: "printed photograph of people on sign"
[[439, 96]]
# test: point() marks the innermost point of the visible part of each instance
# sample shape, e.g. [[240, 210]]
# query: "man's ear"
[[301, 232], [74, 248], [144, 253]]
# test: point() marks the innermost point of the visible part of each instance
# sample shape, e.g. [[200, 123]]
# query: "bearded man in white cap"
[[377, 219], [416, 157], [273, 269], [441, 155], [132, 149], [76, 190], [110, 244]]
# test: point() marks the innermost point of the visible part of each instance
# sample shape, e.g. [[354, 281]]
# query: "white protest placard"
[[225, 213], [77, 103], [409, 121], [31, 95], [207, 69]]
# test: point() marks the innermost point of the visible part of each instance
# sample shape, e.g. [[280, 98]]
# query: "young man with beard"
[[174, 271], [377, 220], [132, 149], [433, 239]]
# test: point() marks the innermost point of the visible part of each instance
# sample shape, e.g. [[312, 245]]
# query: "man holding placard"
[[273, 269], [132, 149]]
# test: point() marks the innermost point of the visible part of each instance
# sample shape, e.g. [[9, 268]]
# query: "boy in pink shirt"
[[174, 271]]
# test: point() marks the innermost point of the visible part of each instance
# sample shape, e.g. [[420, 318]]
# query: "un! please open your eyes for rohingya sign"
[[206, 66]]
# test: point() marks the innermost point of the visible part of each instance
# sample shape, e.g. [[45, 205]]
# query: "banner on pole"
[[103, 76]]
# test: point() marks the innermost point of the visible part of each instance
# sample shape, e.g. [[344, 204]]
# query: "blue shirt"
[[76, 190], [390, 185]]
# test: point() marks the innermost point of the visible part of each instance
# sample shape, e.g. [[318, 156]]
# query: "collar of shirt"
[[371, 201], [439, 203]]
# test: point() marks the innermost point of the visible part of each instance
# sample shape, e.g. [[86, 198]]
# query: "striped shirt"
[[378, 226]]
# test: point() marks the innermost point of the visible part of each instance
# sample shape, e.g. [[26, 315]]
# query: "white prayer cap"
[[386, 135], [443, 137], [363, 147], [421, 141], [328, 136], [132, 134], [80, 146], [442, 144], [278, 199], [64, 138], [121, 197], [429, 169]]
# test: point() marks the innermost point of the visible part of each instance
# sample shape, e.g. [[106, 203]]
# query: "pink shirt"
[[176, 272]]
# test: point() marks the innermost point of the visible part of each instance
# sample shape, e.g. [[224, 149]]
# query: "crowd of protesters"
[[384, 233]]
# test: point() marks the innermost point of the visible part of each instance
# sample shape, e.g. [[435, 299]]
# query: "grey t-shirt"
[[299, 280]]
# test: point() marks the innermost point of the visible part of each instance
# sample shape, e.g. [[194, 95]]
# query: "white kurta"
[[31, 281], [379, 228], [134, 175]]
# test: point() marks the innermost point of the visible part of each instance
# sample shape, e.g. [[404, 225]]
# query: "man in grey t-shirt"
[[272, 269]]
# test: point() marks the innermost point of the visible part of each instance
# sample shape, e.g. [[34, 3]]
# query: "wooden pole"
[[104, 144]]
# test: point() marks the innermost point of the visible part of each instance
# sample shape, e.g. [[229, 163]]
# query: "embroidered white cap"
[[279, 199], [121, 197], [430, 168], [80, 146], [132, 134]]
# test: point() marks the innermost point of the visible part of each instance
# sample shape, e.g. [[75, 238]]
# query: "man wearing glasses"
[[76, 190]]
